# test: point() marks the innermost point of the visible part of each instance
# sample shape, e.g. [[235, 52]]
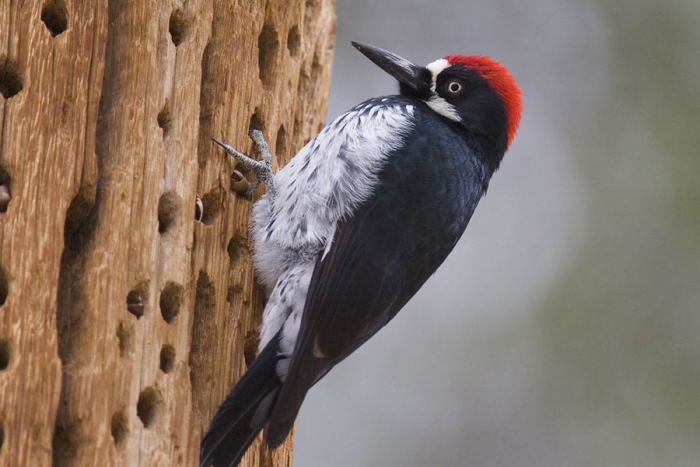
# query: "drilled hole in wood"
[[11, 82], [5, 354], [213, 204], [119, 426], [66, 434], [54, 15], [148, 406], [205, 297], [281, 142], [4, 286], [268, 43], [250, 347], [203, 338], [136, 299], [256, 121], [294, 41], [125, 335], [78, 211], [233, 291], [236, 246], [170, 301], [167, 358], [178, 27], [5, 193], [164, 119], [168, 209]]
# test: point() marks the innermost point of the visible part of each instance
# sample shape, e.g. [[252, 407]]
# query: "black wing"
[[242, 415], [379, 258]]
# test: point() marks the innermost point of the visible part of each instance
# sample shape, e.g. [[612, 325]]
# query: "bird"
[[352, 227]]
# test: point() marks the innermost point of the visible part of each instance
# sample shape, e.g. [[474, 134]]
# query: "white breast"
[[324, 182]]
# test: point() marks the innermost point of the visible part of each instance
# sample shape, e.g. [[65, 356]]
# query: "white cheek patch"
[[442, 107], [437, 103]]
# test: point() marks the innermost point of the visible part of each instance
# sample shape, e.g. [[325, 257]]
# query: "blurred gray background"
[[564, 330]]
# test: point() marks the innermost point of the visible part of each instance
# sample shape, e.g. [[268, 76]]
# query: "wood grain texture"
[[123, 322]]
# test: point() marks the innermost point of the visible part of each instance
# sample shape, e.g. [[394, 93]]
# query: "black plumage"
[[421, 199]]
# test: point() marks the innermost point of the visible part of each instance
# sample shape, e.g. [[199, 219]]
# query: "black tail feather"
[[244, 412], [303, 373], [232, 447]]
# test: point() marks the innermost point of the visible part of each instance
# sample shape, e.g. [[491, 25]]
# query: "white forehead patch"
[[437, 103], [435, 68]]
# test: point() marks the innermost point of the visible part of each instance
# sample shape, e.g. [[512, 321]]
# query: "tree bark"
[[123, 321]]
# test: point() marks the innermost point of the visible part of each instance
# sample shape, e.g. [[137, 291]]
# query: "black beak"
[[414, 80]]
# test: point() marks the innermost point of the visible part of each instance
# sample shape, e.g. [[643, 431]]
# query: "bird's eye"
[[454, 87]]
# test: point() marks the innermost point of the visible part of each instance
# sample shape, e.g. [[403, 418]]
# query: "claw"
[[262, 168]]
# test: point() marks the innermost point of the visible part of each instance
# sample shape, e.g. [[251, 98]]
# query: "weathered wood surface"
[[123, 322]]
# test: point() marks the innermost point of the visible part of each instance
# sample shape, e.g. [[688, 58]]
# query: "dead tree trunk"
[[123, 322]]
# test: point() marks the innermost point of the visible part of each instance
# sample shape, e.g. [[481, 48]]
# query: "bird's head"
[[476, 92]]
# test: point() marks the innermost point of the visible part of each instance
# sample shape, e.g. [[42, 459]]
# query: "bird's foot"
[[262, 167]]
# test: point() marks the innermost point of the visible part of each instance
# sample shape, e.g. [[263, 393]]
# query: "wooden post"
[[123, 321]]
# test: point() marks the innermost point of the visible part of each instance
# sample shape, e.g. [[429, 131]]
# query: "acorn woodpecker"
[[355, 224]]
